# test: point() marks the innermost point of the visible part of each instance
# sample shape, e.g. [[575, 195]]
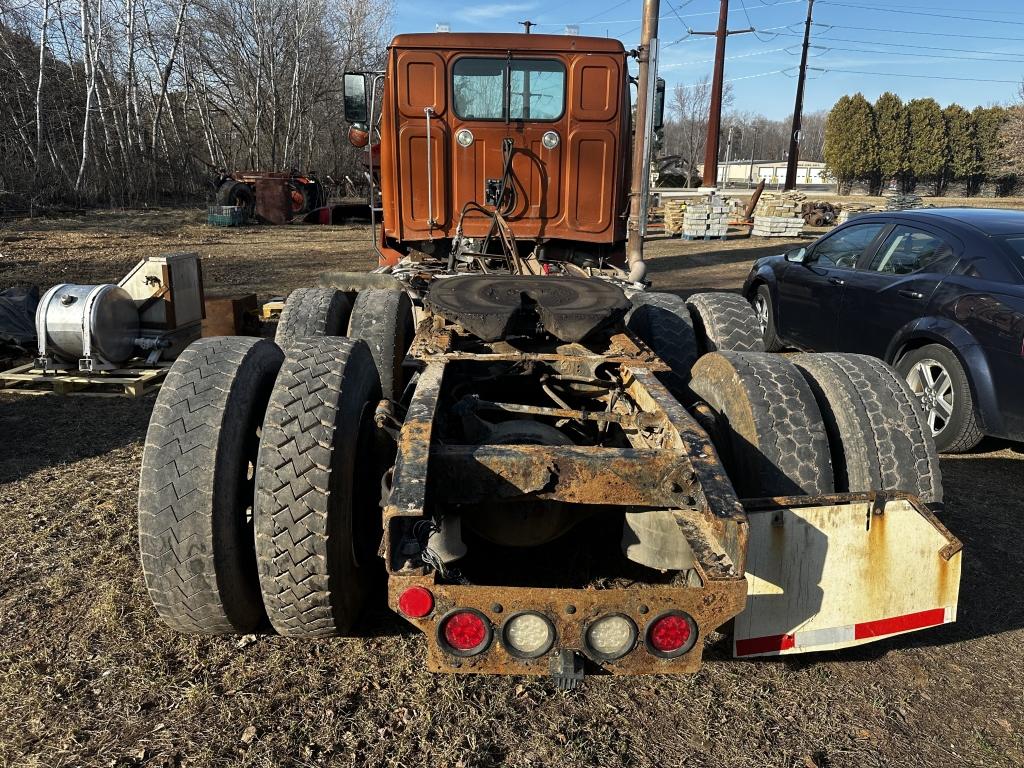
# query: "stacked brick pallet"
[[706, 219], [849, 210], [894, 201], [778, 214], [672, 212]]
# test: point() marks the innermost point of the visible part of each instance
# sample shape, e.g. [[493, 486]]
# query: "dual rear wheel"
[[260, 487]]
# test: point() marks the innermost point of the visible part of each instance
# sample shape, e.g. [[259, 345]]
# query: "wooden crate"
[[122, 382]]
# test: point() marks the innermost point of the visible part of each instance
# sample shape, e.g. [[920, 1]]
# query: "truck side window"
[[535, 89]]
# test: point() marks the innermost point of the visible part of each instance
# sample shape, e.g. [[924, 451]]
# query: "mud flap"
[[856, 569]]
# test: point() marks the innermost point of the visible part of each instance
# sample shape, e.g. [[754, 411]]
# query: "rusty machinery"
[[560, 470]]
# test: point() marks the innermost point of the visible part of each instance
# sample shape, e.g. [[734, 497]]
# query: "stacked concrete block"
[[849, 210], [706, 219], [780, 205], [777, 226], [672, 213], [896, 201]]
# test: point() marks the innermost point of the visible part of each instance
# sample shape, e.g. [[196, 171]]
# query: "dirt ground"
[[88, 677]]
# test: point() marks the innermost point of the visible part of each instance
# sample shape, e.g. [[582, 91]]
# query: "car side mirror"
[[355, 97], [797, 255]]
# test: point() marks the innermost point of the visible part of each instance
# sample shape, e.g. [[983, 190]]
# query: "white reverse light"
[[611, 637], [528, 635], [464, 137], [550, 140]]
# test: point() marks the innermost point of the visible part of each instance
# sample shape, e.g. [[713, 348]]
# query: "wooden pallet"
[[121, 382]]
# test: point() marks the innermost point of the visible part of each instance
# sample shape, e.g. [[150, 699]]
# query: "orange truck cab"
[[533, 128]]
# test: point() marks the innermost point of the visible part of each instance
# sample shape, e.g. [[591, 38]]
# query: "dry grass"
[[88, 677]]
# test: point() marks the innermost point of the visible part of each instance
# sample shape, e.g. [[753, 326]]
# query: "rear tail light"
[[671, 634], [528, 635], [464, 632], [416, 602], [611, 637]]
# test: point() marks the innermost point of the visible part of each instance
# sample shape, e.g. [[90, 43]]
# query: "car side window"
[[907, 250], [844, 248]]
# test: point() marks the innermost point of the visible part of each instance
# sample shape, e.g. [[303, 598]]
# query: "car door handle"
[[837, 281], [910, 294]]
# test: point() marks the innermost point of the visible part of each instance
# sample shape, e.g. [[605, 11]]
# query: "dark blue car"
[[937, 293]]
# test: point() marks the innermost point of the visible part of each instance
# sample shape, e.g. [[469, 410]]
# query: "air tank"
[[87, 321]]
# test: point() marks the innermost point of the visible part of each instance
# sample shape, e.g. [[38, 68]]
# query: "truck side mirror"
[[355, 97], [659, 104]]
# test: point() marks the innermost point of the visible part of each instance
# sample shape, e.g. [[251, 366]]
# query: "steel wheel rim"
[[933, 385], [761, 308]]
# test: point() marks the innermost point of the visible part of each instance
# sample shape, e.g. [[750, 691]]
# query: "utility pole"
[[753, 151], [647, 60], [798, 108], [715, 115], [728, 157], [527, 25]]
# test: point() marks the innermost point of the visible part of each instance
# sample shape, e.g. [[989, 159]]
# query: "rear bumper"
[[571, 611]]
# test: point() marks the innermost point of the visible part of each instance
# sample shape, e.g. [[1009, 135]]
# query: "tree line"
[[919, 145], [142, 101]]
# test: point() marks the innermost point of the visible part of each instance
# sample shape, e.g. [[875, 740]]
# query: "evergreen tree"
[[893, 127], [928, 144], [962, 144], [850, 140], [988, 123]]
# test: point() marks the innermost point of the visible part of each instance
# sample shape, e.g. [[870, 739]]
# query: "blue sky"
[[916, 48]]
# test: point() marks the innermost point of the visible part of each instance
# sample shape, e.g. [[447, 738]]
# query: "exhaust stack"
[[640, 179]]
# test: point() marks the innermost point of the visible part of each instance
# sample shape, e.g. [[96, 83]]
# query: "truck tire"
[[313, 312], [195, 488], [383, 319], [769, 431], [309, 489], [879, 438], [724, 322], [662, 321], [954, 431], [237, 193]]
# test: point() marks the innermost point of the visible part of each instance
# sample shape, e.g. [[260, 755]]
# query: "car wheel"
[[766, 318], [935, 375]]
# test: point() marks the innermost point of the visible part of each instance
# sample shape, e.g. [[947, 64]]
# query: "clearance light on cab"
[[464, 137], [611, 637], [671, 634], [464, 632], [416, 602], [550, 139], [528, 635]]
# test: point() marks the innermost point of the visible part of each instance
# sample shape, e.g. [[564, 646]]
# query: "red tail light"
[[465, 632], [671, 634], [416, 602]]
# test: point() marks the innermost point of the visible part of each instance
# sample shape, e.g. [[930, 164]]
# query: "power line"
[[925, 77], [916, 32], [727, 58], [899, 45], [922, 55], [919, 13]]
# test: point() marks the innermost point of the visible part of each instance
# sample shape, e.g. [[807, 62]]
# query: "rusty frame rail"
[[671, 465]]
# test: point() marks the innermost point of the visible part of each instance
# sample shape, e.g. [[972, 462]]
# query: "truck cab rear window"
[[529, 89]]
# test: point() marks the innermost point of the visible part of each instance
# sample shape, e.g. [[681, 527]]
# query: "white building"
[[740, 172]]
